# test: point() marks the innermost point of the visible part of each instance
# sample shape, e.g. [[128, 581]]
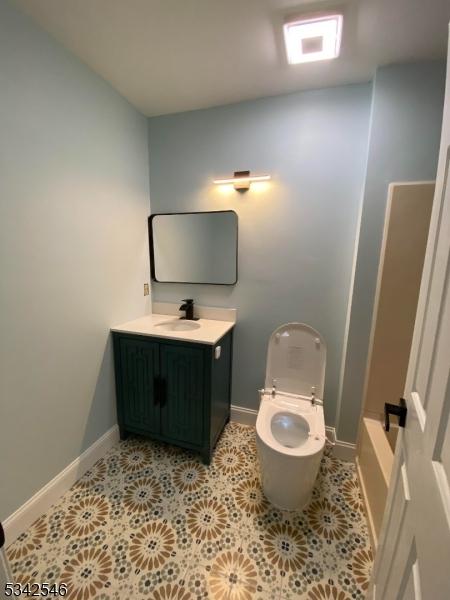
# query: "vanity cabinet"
[[173, 391]]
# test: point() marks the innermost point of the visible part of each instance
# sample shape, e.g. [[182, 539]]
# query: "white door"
[[413, 558]]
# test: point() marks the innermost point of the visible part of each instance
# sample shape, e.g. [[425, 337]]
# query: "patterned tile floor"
[[149, 521]]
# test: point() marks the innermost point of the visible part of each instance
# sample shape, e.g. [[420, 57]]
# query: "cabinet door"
[[182, 413], [139, 364]]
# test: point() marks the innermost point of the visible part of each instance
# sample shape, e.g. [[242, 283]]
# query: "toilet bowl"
[[290, 427]]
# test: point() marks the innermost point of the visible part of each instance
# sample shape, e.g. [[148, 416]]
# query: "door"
[[5, 571], [182, 412], [139, 400], [413, 558]]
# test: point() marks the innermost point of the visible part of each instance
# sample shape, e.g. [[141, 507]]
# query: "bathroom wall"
[[73, 249], [296, 233], [404, 143]]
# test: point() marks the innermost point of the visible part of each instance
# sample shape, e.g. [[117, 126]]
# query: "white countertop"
[[209, 332]]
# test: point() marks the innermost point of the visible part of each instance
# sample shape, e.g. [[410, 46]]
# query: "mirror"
[[194, 247]]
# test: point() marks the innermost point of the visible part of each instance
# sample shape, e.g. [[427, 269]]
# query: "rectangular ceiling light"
[[313, 38]]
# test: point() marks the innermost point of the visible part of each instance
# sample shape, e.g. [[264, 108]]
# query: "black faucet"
[[188, 306]]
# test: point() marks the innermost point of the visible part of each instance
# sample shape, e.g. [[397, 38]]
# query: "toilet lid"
[[296, 359]]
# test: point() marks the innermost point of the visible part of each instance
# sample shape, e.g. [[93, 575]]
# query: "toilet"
[[290, 426]]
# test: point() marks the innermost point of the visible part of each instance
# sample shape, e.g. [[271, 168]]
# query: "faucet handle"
[[188, 300]]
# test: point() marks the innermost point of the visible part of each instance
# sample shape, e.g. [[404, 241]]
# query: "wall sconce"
[[241, 180]]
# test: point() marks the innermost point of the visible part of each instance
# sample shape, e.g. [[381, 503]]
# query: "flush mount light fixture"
[[241, 180], [313, 37]]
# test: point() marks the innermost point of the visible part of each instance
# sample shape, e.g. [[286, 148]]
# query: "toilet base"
[[274, 502], [287, 481]]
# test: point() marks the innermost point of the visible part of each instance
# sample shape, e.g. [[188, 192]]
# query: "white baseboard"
[[244, 416], [39, 504], [342, 450]]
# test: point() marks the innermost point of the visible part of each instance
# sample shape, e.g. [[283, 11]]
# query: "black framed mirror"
[[194, 247]]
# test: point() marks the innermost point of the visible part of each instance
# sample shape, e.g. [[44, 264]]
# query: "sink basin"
[[180, 325]]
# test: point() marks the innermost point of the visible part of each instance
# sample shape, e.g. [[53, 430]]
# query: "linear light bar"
[[241, 180]]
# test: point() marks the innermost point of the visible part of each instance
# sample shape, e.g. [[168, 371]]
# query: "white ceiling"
[[174, 55]]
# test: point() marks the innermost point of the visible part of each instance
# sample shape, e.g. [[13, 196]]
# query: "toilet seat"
[[270, 408]]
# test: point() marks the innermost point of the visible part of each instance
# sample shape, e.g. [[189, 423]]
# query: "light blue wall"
[[404, 143], [73, 252], [296, 237]]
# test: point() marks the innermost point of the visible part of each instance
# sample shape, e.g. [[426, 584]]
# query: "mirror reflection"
[[194, 247]]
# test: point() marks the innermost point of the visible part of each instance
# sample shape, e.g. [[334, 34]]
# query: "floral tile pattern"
[[150, 521]]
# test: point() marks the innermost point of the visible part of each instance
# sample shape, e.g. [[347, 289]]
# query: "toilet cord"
[[327, 441]]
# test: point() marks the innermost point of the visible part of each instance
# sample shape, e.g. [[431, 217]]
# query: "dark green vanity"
[[174, 391]]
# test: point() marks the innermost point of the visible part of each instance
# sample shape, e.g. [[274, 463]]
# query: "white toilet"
[[290, 427]]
